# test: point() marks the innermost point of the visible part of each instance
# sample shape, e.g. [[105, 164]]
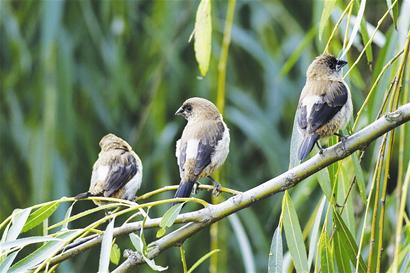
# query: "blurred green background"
[[73, 71]]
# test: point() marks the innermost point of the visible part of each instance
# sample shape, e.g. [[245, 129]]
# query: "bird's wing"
[[326, 108], [302, 117], [211, 133], [180, 153], [123, 166]]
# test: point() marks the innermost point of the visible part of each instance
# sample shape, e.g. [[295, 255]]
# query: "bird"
[[203, 146], [325, 104], [117, 172]]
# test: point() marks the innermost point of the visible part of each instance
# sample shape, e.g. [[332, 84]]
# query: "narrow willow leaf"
[[365, 38], [342, 258], [106, 244], [153, 265], [324, 182], [347, 240], [359, 177], [293, 233], [67, 215], [161, 232], [137, 242], [19, 219], [202, 259], [38, 216], [356, 26], [170, 215], [275, 264], [115, 255], [315, 232], [244, 243], [328, 7], [20, 243], [203, 36], [44, 252], [393, 11], [326, 254], [5, 265]]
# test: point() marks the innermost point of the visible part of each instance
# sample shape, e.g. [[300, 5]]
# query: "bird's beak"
[[179, 112], [340, 64]]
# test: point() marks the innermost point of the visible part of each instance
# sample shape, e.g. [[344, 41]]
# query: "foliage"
[[71, 71]]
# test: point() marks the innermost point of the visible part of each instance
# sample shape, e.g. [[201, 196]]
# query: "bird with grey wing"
[[117, 172], [325, 104], [203, 146]]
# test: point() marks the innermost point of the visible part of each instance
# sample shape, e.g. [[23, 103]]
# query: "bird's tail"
[[184, 189], [307, 146]]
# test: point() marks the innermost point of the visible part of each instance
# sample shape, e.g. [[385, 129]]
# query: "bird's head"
[[111, 141], [198, 108], [325, 67]]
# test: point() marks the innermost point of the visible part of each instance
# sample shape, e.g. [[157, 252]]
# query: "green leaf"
[[203, 36], [38, 216], [106, 244], [295, 142], [137, 242], [359, 177], [19, 219], [293, 233], [275, 263], [202, 259], [44, 252], [153, 265], [328, 7], [67, 216], [394, 11], [356, 26], [347, 243], [314, 234], [5, 265], [115, 255], [326, 254], [20, 243], [342, 258], [161, 232], [170, 215]]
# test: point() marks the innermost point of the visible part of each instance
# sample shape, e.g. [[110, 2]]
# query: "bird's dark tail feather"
[[184, 190], [307, 146], [83, 195]]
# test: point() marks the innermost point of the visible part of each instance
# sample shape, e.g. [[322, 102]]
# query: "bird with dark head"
[[325, 104], [117, 171], [203, 146]]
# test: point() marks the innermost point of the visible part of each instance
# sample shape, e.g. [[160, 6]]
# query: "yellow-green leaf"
[[203, 36], [115, 255], [38, 216], [327, 11]]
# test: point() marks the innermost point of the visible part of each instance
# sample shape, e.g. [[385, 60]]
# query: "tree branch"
[[200, 219]]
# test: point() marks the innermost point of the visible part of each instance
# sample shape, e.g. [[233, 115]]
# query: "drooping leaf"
[[275, 263], [38, 216], [293, 233], [106, 244], [328, 7], [19, 219], [393, 11], [295, 142], [170, 215], [5, 265], [315, 231], [139, 245], [203, 36], [326, 254], [356, 26], [20, 243]]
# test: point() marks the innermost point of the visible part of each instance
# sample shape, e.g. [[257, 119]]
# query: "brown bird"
[[204, 144], [117, 171], [325, 104]]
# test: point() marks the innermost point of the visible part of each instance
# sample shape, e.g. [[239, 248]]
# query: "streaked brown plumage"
[[325, 104], [117, 171], [204, 144]]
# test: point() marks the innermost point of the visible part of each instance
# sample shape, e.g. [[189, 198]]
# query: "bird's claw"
[[196, 187], [217, 189]]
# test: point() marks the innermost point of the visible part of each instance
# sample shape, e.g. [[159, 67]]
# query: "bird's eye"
[[332, 65], [188, 107]]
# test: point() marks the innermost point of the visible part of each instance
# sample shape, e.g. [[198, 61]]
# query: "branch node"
[[394, 116], [132, 256]]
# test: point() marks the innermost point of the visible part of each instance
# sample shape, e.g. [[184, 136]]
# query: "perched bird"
[[325, 104], [117, 171], [204, 144]]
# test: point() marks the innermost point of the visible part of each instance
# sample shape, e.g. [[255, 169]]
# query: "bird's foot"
[[341, 137], [217, 186], [321, 148]]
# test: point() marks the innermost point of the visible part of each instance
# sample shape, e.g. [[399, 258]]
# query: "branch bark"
[[200, 219]]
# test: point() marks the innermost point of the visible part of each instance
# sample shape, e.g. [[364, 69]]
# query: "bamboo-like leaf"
[[342, 257], [293, 233], [203, 36], [106, 244], [67, 216], [44, 252], [19, 219], [295, 142], [347, 241], [275, 263], [5, 265], [315, 231], [20, 243], [394, 11], [38, 216], [139, 245], [202, 259], [328, 7], [115, 255], [326, 254], [356, 26], [359, 177], [170, 215]]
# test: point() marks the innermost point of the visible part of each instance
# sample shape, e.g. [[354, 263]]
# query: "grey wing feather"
[[323, 111], [302, 117], [206, 146], [123, 168], [181, 155]]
